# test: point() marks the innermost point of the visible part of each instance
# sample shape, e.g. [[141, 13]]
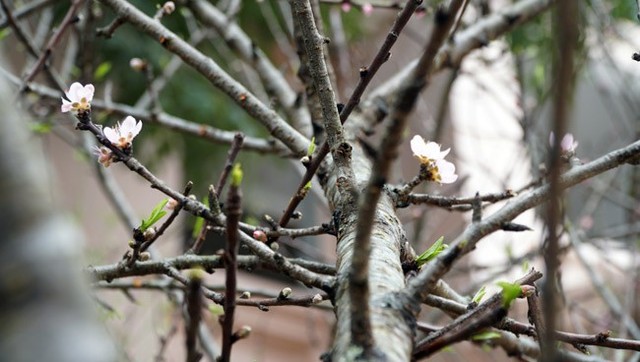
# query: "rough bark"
[[393, 324]]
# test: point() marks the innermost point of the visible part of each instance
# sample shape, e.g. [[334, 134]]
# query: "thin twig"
[[313, 41], [194, 310], [233, 211], [242, 44], [206, 262], [484, 315]]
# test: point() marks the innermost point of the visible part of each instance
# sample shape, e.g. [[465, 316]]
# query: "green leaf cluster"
[[510, 291], [433, 251], [156, 214]]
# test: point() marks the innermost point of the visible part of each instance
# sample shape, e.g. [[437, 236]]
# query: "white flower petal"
[[111, 134], [417, 145], [447, 171], [74, 92], [66, 106], [87, 92], [568, 144]]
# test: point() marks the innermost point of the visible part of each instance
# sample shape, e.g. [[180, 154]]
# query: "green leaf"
[[509, 292], [101, 71], [199, 224], [429, 254], [525, 266], [480, 294], [236, 175], [307, 187], [312, 146], [485, 336], [41, 127], [156, 214]]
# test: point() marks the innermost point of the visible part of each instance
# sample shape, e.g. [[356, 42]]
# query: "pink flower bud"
[[260, 235]]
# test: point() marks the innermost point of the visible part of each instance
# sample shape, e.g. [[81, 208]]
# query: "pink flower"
[[78, 98], [367, 9], [427, 152], [567, 145], [346, 6], [104, 155], [123, 134]]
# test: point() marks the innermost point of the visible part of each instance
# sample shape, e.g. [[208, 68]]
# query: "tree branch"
[[218, 77]]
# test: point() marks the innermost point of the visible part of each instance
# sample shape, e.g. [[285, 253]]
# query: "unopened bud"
[[150, 233], [144, 256], [169, 7], [138, 64], [316, 299], [275, 246], [527, 290], [172, 204], [285, 293], [260, 235], [245, 295], [242, 333], [305, 160]]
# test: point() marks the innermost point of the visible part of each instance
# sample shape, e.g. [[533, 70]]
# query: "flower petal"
[[447, 171], [73, 94], [87, 92], [112, 134], [66, 106], [417, 145]]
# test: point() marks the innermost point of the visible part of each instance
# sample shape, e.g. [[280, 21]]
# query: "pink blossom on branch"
[[567, 145], [105, 157], [123, 133], [78, 98]]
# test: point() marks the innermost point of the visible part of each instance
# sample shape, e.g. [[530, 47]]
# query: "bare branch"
[[208, 68]]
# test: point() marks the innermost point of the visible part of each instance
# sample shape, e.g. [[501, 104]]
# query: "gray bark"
[[45, 311]]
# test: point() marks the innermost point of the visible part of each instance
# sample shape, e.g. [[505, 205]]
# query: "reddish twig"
[[234, 211]]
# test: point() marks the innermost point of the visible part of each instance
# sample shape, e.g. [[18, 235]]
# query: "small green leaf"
[[432, 252], [509, 292], [156, 214], [101, 71], [485, 336], [4, 32], [216, 309], [199, 224], [312, 146], [41, 127], [307, 187], [236, 175], [480, 294], [525, 266]]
